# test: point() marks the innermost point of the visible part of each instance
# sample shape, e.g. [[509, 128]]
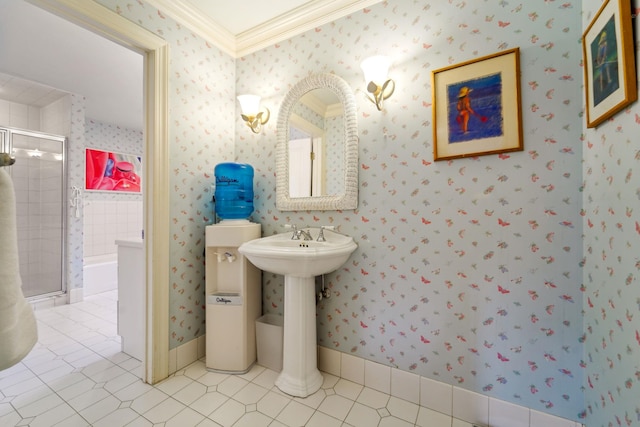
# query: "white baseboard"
[[75, 295], [187, 353], [464, 406]]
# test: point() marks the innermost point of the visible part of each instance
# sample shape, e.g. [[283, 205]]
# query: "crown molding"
[[197, 22], [306, 17], [297, 21]]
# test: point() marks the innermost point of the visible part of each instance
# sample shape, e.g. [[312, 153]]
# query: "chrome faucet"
[[321, 237], [305, 234], [297, 233]]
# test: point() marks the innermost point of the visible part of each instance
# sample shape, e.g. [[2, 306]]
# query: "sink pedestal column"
[[300, 375]]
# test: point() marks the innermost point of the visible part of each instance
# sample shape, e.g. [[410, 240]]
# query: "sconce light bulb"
[[251, 114], [249, 104], [376, 69]]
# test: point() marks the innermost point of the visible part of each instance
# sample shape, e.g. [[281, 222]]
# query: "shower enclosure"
[[39, 177]]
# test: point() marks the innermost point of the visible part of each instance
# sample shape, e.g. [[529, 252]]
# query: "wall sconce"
[[375, 71], [251, 114]]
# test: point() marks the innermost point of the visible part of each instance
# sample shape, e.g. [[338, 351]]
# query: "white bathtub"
[[100, 274]]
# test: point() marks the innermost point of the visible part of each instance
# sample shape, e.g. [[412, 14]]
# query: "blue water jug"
[[234, 190]]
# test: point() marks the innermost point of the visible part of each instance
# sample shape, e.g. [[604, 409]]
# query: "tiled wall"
[[55, 117], [109, 216], [106, 221], [13, 114], [38, 187], [63, 117], [38, 196], [103, 217]]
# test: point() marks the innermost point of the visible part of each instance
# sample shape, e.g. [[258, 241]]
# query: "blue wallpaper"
[[470, 271], [467, 271], [611, 264]]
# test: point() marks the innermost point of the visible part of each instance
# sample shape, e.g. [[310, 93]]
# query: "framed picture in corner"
[[476, 107], [609, 63]]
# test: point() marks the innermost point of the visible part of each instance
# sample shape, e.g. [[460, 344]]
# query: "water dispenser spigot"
[[225, 256]]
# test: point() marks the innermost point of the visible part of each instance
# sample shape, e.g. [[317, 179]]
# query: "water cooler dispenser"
[[233, 284]]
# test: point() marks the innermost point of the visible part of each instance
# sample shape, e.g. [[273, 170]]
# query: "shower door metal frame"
[[4, 143], [6, 140]]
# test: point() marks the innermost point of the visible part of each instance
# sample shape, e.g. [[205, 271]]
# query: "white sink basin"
[[299, 258], [299, 261]]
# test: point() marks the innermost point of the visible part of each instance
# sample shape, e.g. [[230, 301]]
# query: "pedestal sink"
[[299, 261]]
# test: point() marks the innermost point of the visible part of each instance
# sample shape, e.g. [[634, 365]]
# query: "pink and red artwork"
[[109, 171]]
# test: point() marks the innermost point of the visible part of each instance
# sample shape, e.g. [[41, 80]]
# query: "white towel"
[[18, 329]]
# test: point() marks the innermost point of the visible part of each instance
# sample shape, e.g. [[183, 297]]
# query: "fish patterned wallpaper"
[[334, 158], [611, 163], [110, 137], [467, 271], [75, 177]]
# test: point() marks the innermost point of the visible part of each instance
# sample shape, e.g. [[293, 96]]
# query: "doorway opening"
[[108, 24]]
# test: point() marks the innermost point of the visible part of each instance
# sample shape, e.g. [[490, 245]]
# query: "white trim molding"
[[306, 17], [106, 23], [466, 408], [197, 22]]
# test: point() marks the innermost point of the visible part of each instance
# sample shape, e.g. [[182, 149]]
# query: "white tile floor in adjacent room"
[[77, 376]]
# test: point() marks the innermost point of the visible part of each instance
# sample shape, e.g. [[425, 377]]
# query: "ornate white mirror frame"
[[348, 198]]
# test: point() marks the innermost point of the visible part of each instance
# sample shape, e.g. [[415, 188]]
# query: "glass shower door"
[[39, 183]]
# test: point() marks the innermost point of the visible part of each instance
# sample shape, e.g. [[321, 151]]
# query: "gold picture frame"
[[609, 63], [477, 108]]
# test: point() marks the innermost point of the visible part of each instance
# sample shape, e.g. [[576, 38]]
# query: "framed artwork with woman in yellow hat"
[[610, 67], [476, 107]]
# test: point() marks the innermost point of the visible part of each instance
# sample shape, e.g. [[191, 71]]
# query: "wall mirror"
[[317, 149]]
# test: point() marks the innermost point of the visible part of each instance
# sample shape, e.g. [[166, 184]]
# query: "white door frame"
[[101, 20]]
